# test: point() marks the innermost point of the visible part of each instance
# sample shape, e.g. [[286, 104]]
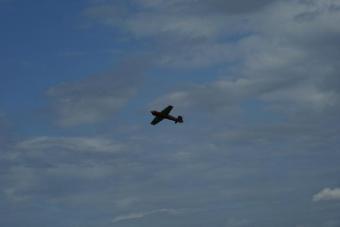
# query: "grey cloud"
[[207, 39], [179, 24], [220, 95], [282, 92], [73, 144], [306, 16], [18, 182], [165, 26], [169, 18], [135, 183], [204, 7], [232, 7], [34, 166], [63, 171], [96, 98], [276, 67], [109, 14], [50, 152], [239, 222], [3, 131], [198, 55], [293, 137], [296, 50], [229, 94]]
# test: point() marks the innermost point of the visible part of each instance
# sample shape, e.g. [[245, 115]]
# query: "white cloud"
[[140, 215], [327, 194]]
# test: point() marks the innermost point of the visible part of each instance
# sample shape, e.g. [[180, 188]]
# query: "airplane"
[[164, 114]]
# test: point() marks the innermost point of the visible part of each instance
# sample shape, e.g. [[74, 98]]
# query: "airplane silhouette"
[[165, 114]]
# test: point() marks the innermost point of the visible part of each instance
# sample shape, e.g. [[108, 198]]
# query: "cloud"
[[291, 65], [163, 17], [31, 168], [205, 8], [193, 27], [139, 215], [5, 131], [98, 97], [214, 96], [327, 194], [19, 180], [79, 144], [238, 222], [2, 127]]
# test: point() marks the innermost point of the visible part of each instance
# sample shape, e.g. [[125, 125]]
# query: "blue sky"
[[257, 83]]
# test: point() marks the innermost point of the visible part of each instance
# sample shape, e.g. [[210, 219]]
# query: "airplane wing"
[[167, 110], [156, 120]]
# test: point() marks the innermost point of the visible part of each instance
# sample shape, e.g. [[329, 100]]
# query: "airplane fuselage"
[[165, 116]]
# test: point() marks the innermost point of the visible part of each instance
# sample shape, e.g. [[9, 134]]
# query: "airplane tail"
[[179, 119]]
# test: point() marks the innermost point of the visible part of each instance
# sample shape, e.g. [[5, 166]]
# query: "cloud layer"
[[258, 85]]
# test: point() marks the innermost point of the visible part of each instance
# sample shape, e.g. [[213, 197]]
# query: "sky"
[[257, 84]]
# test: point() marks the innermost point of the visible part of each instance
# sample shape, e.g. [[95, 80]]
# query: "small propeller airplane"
[[165, 114]]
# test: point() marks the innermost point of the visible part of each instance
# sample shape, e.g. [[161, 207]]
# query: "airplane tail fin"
[[179, 119]]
